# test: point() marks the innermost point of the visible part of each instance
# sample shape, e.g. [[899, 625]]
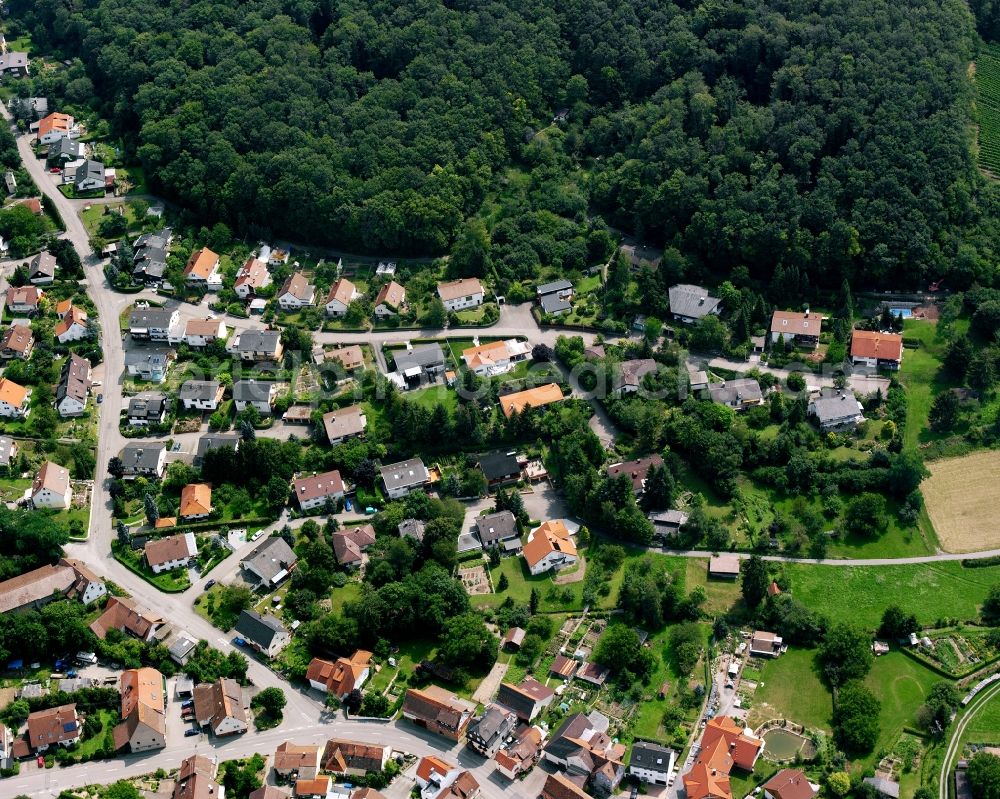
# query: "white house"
[[90, 176], [202, 269], [203, 395], [14, 399], [834, 409], [549, 548], [54, 127], [391, 299], [202, 332], [296, 292], [651, 763], [497, 357], [260, 394], [74, 386], [403, 477], [51, 487], [172, 552], [253, 275], [156, 324], [467, 292], [72, 327], [313, 492], [342, 294]]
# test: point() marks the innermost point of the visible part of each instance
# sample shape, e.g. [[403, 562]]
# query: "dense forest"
[[819, 137]]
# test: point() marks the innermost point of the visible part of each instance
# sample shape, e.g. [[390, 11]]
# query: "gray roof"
[[151, 267], [414, 528], [216, 441], [74, 379], [199, 389], [554, 286], [182, 647], [155, 241], [153, 356], [11, 59], [405, 473], [141, 456], [261, 630], [496, 527], [271, 556], [423, 356], [71, 148], [259, 341], [145, 318], [43, 265], [6, 450], [669, 518], [631, 373], [743, 389], [147, 406], [89, 169], [553, 303], [493, 723], [830, 406], [652, 756], [252, 390], [693, 302], [884, 786]]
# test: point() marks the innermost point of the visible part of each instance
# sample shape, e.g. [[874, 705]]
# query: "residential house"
[[144, 459], [439, 711], [221, 706], [296, 761], [90, 176], [181, 651], [594, 673], [512, 639], [203, 395], [275, 257], [146, 409], [57, 726], [259, 345], [8, 446], [271, 562], [72, 326], [549, 548], [54, 127], [391, 299], [526, 699], [36, 588], [202, 332], [211, 441], [13, 399], [316, 788], [583, 748], [353, 759], [466, 292], [74, 386], [341, 676], [724, 567], [652, 763], [127, 616], [341, 295], [641, 256], [64, 150], [883, 787], [498, 530], [42, 269], [690, 303], [258, 393], [765, 644], [437, 779], [350, 357], [252, 277], [403, 477], [296, 292], [149, 255], [561, 289], [559, 786], [554, 305], [143, 726], [801, 329], [628, 375], [349, 544], [868, 348], [835, 409], [344, 423], [536, 397], [520, 755], [172, 552], [414, 364], [51, 487], [500, 468], [668, 522], [196, 502], [155, 324], [150, 364], [724, 745], [563, 667], [489, 732], [7, 747], [269, 792], [789, 783], [202, 270], [14, 64], [23, 300], [18, 341], [636, 471], [31, 108], [412, 528], [196, 779], [496, 357], [741, 393], [315, 491], [264, 633]]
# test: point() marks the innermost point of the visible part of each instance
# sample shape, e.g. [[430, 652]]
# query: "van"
[[86, 657]]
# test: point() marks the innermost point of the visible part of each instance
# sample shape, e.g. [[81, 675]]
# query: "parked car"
[[40, 761], [192, 731], [369, 511], [100, 398], [55, 170], [239, 641], [347, 505], [187, 703], [209, 584]]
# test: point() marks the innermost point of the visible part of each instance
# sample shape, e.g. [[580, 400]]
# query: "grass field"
[[901, 684], [988, 107], [861, 593], [790, 688], [960, 494], [985, 727], [919, 373]]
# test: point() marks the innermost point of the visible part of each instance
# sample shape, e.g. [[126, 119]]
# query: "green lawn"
[[108, 720], [859, 593], [339, 596], [789, 687], [172, 582], [722, 594], [919, 374], [901, 684], [985, 726], [435, 395], [408, 656]]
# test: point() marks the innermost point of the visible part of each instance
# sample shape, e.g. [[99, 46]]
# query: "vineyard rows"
[[988, 105]]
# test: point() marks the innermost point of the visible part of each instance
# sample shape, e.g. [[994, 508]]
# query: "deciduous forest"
[[822, 138]]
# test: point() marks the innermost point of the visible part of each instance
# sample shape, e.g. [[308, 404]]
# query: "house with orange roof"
[[724, 745], [391, 299], [876, 350], [802, 329], [559, 786], [549, 548], [496, 357], [51, 487], [13, 399], [341, 295], [196, 501], [300, 761], [56, 126], [252, 277], [341, 676], [296, 292], [530, 398], [438, 779], [202, 270], [72, 326], [143, 726]]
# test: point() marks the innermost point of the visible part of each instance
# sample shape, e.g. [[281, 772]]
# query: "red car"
[[41, 762], [55, 170]]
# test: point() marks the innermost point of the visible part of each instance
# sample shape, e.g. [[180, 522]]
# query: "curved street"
[[955, 743]]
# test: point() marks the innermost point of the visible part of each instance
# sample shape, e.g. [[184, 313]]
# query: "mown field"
[[960, 496]]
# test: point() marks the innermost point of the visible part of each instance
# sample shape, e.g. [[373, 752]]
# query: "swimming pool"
[[902, 313]]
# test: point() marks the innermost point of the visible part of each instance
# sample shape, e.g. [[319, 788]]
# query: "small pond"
[[782, 744]]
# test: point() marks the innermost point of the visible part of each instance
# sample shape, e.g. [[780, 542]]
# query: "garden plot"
[[475, 580], [959, 651]]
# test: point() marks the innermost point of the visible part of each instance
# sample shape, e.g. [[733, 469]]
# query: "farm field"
[[790, 688], [960, 496], [988, 107]]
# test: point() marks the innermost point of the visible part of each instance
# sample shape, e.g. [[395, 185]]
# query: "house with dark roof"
[[271, 561], [144, 459], [690, 303], [668, 522], [628, 375], [403, 477], [636, 471], [583, 748], [500, 468], [488, 733], [526, 699], [146, 409], [439, 711], [211, 441], [560, 786], [265, 633], [498, 530], [411, 528], [261, 394], [652, 763], [520, 754], [203, 395], [884, 787], [739, 394], [835, 409], [258, 345], [222, 706], [564, 667], [418, 363], [350, 543]]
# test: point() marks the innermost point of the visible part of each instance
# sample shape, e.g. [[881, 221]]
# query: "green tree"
[[839, 783], [855, 719], [619, 649], [943, 415], [991, 606], [271, 701], [466, 642], [984, 776], [754, 580], [897, 624], [845, 654], [866, 515], [121, 790]]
